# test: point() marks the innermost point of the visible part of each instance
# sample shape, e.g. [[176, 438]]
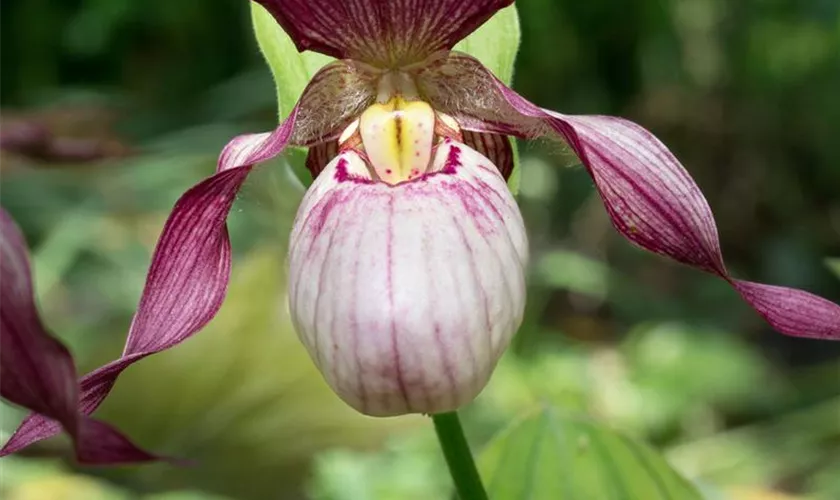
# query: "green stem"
[[458, 456]]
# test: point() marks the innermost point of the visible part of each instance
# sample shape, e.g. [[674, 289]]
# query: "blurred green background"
[[112, 108]]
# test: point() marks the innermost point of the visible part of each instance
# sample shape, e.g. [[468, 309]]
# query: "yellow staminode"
[[397, 137]]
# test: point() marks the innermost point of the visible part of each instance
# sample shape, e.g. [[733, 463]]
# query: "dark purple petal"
[[650, 197], [654, 203], [188, 277], [185, 287], [320, 155], [792, 311], [37, 371], [97, 443], [380, 32], [494, 147]]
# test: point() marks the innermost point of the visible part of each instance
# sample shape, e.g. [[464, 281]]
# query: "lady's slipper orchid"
[[407, 255]]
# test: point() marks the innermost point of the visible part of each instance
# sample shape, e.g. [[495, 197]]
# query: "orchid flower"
[[407, 257]]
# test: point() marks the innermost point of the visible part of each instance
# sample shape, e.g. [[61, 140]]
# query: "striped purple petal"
[[651, 199], [496, 147], [406, 295], [380, 32], [184, 289], [188, 277], [320, 155], [792, 311], [37, 371]]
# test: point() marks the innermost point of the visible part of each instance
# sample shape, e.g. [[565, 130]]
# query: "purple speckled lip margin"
[[450, 167]]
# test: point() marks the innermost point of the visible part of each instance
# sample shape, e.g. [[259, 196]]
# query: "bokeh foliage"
[[745, 93]]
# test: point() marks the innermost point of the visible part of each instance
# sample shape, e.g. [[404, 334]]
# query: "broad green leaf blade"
[[547, 456], [573, 271], [292, 70], [496, 43], [833, 264]]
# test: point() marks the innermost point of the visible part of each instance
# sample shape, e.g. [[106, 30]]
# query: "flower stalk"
[[458, 457]]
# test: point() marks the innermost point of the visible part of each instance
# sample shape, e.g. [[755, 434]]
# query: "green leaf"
[[834, 265], [496, 43], [292, 70], [548, 456], [573, 271], [63, 245]]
